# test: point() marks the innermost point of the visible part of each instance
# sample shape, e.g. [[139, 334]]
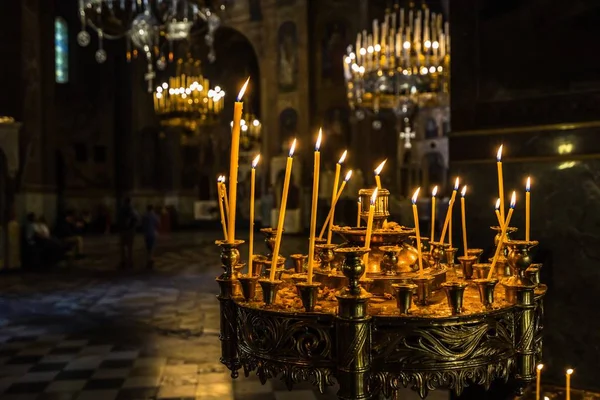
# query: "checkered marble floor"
[[92, 332]]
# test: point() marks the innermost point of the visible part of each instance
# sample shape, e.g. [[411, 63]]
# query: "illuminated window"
[[61, 50]]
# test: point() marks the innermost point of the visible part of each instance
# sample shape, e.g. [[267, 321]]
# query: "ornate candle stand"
[[458, 332]]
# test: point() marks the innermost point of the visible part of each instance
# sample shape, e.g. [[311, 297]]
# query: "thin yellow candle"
[[538, 381], [358, 210], [500, 183], [284, 197], [252, 193], [417, 230], [313, 214], [220, 200], [233, 161], [464, 218], [369, 231], [450, 205], [224, 189], [498, 216], [569, 373], [503, 234], [337, 197], [449, 212], [433, 213], [527, 208], [336, 182], [377, 172]]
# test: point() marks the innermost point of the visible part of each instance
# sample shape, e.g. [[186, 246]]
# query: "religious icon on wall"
[[333, 49], [288, 57]]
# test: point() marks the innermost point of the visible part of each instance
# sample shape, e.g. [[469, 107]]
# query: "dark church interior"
[[299, 199]]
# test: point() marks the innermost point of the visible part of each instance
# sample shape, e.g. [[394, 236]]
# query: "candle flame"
[[318, 145], [380, 167], [498, 202], [348, 176], [456, 183], [255, 161], [513, 199], [540, 367], [499, 154], [360, 200], [570, 371], [374, 196], [463, 192], [292, 148], [241, 94], [221, 178], [343, 157], [528, 185], [434, 191], [415, 195]]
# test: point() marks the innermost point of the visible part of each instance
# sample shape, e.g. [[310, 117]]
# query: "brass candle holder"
[[308, 294], [269, 290], [325, 254], [424, 283], [299, 261], [381, 206], [481, 270], [475, 252], [280, 268], [353, 267], [389, 262], [466, 263], [270, 234], [438, 253], [258, 264], [248, 285], [486, 289], [404, 294], [455, 292], [533, 273], [451, 256]]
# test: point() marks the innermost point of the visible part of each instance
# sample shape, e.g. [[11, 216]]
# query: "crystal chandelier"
[[187, 100], [404, 61], [148, 26]]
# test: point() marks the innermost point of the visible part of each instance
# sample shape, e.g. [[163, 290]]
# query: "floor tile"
[[122, 355], [116, 364], [97, 395], [170, 392], [38, 376], [111, 373], [26, 387], [46, 367], [74, 374], [24, 360], [84, 362], [137, 393], [104, 384], [142, 382], [58, 396], [66, 386]]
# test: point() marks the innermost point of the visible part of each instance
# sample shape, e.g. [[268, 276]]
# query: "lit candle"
[[500, 183], [538, 381], [335, 200], [569, 373], [280, 221], [252, 192], [464, 219], [417, 231], [336, 182], [358, 210], [498, 213], [233, 161], [433, 212], [449, 212], [370, 226], [377, 172], [513, 201], [451, 206], [313, 213], [220, 195], [224, 189], [527, 208]]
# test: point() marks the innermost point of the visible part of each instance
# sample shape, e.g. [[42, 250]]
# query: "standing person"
[[150, 225], [128, 219]]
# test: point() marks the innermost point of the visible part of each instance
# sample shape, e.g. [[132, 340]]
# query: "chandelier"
[[187, 100], [148, 26], [251, 129], [403, 61]]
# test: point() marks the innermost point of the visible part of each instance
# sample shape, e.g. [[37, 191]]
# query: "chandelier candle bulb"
[[503, 235], [449, 212], [220, 195], [538, 381], [417, 231], [335, 200], [233, 162], [377, 172], [313, 213], [369, 231], [252, 193], [336, 182], [500, 183], [568, 388], [281, 220], [358, 209], [498, 216], [433, 212], [527, 208], [464, 219]]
